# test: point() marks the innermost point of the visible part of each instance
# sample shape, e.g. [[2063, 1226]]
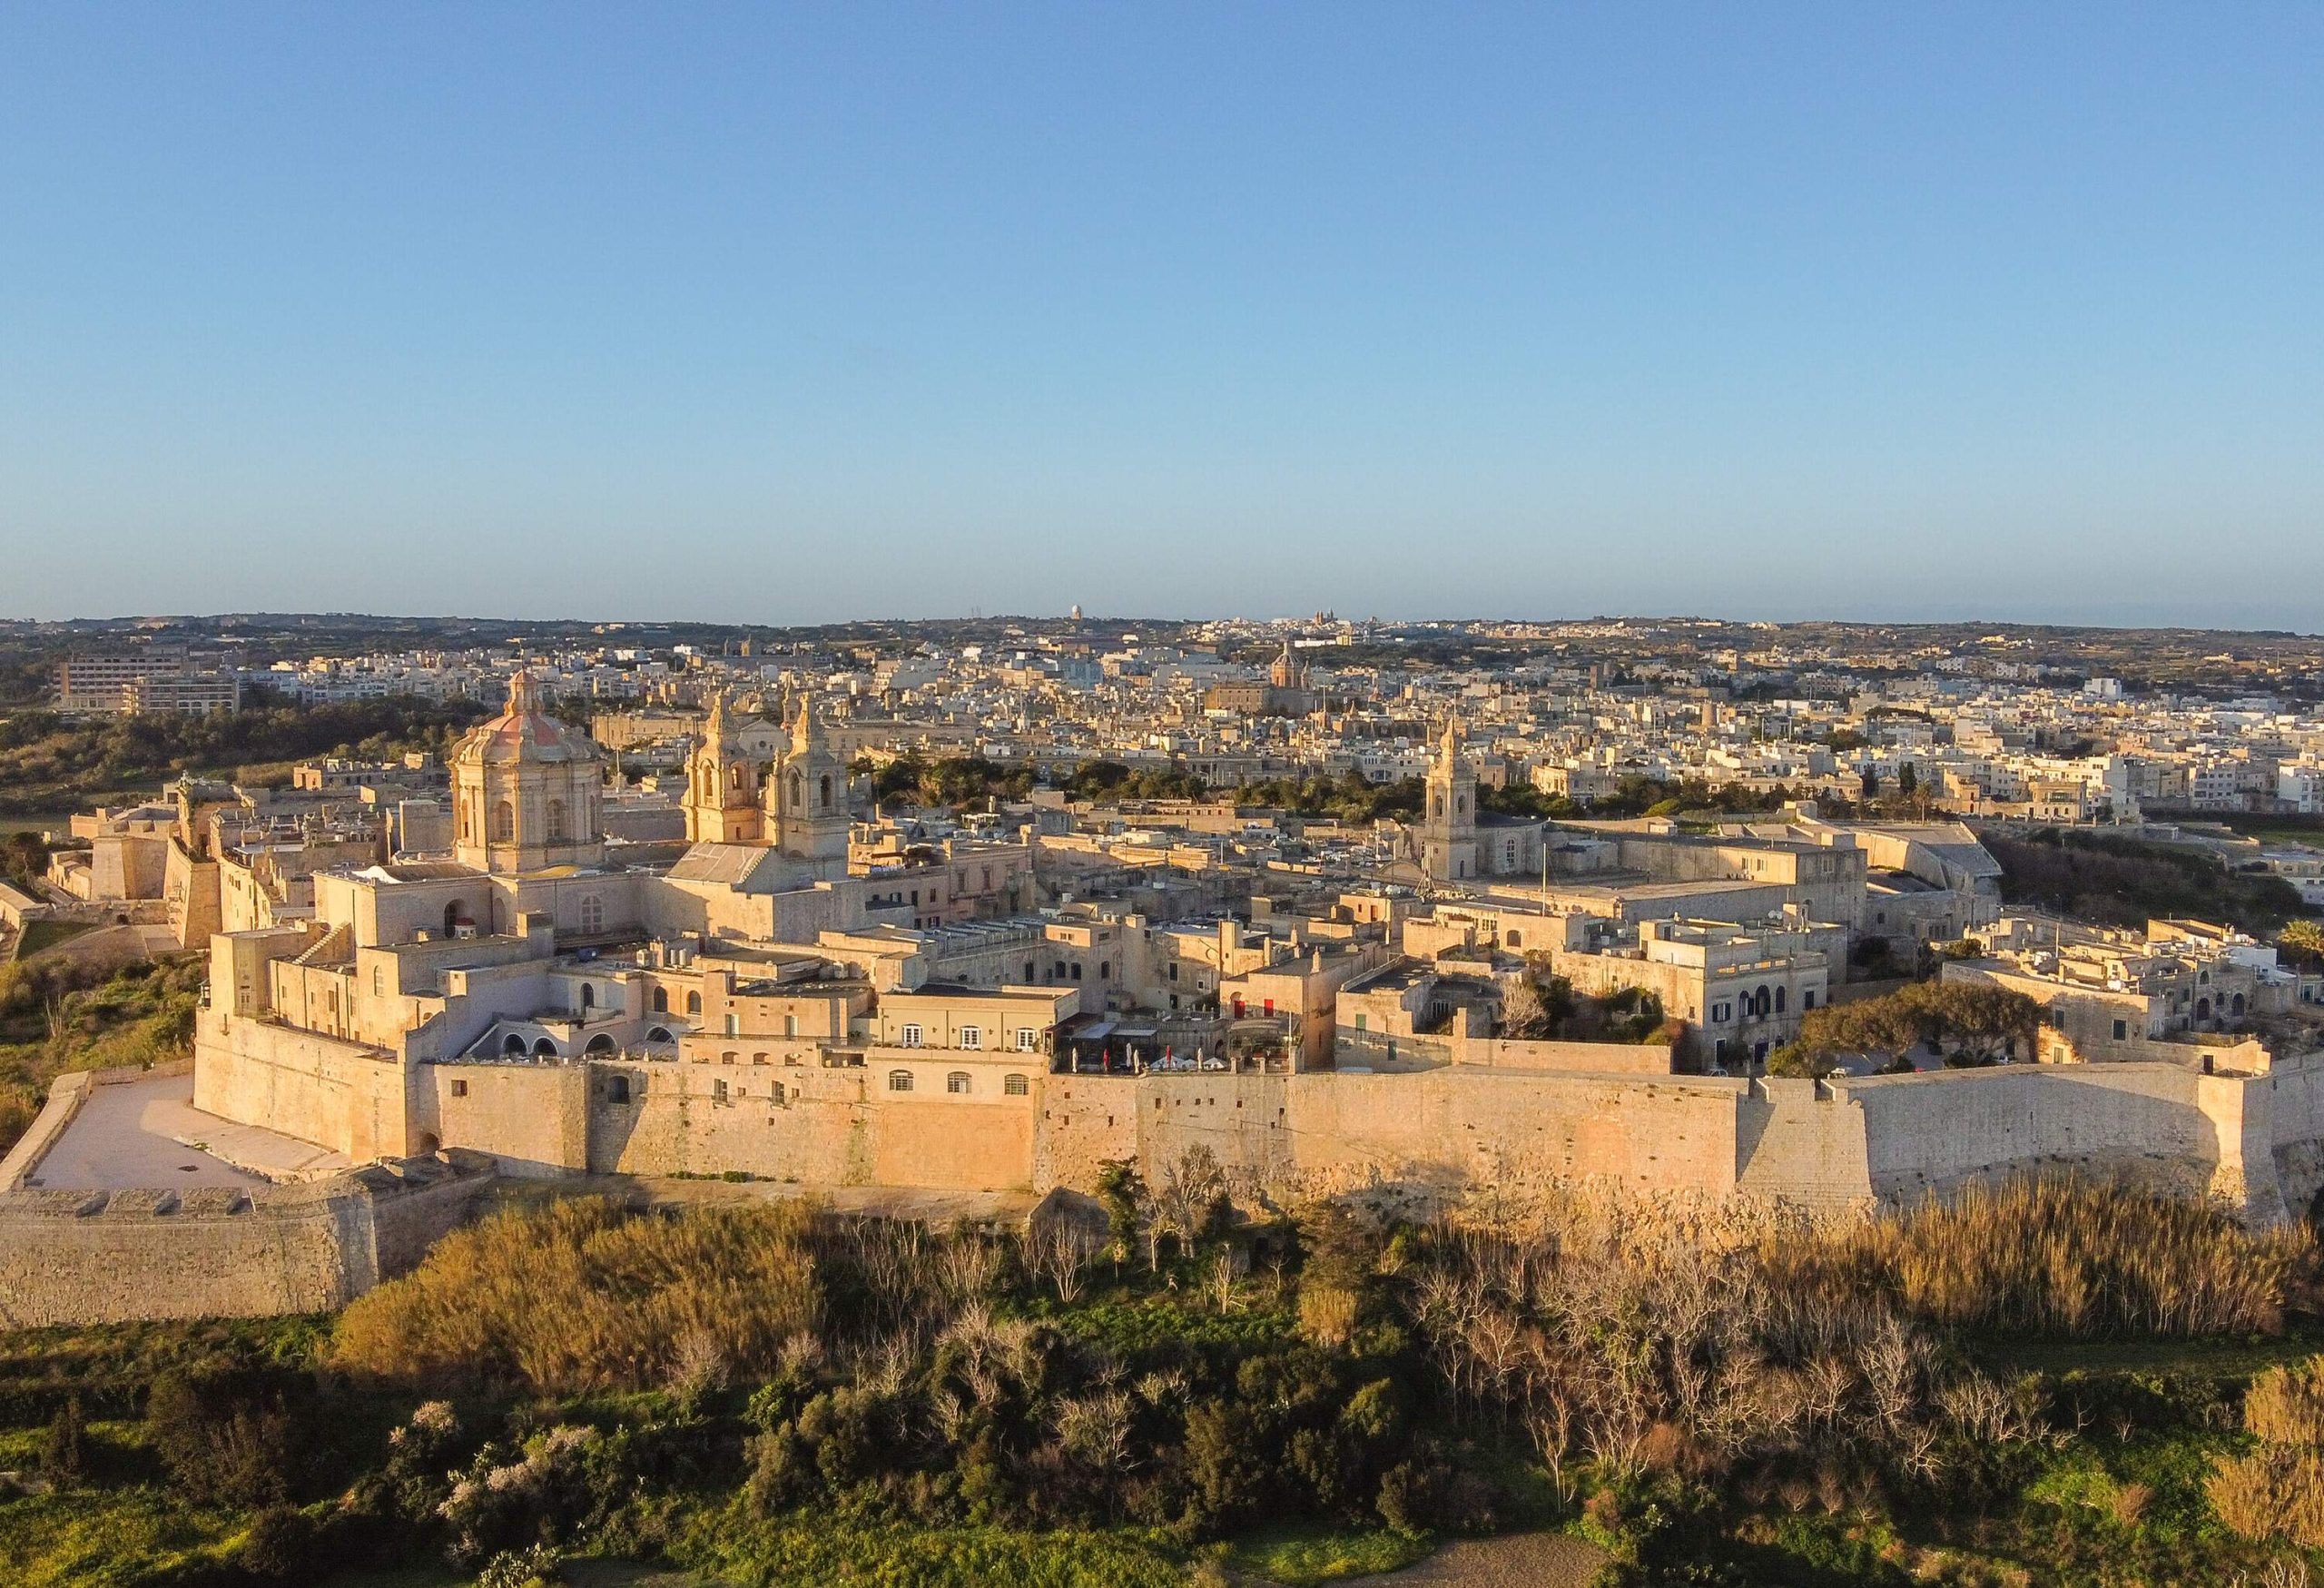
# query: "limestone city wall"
[[2255, 1140], [97, 1257], [319, 1089]]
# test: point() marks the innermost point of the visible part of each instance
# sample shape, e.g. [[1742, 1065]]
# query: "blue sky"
[[786, 314]]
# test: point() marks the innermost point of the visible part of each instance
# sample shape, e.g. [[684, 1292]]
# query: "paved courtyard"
[[139, 1133]]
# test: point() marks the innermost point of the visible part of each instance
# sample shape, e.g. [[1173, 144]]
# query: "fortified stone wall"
[[1938, 1131], [319, 1089], [97, 1257], [2254, 1140]]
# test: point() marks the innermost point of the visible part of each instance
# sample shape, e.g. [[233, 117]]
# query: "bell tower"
[[1449, 827], [810, 798], [722, 799]]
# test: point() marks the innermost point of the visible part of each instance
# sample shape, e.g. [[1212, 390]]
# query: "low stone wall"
[[98, 1256]]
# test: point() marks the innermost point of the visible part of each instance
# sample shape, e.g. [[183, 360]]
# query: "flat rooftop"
[[138, 1134]]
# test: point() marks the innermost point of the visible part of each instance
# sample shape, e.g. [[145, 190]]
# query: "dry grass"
[[585, 1296], [2059, 1256], [2271, 1493], [2285, 1405]]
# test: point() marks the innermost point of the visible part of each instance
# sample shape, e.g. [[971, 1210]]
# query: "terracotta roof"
[[524, 732]]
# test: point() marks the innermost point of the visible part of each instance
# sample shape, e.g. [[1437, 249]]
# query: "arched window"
[[600, 1044], [593, 912], [728, 1058], [1105, 969], [588, 996], [660, 1001], [899, 1080], [827, 790], [513, 1045], [1779, 993], [556, 821], [544, 1049], [1016, 1086], [2203, 1009], [693, 1004], [454, 914], [798, 790], [504, 823], [2235, 1004], [956, 1082], [658, 1034]]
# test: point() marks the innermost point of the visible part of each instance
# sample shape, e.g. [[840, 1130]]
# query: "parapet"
[[83, 1257]]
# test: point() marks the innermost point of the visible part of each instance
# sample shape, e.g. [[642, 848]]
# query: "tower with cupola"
[[808, 798], [723, 794], [1448, 830]]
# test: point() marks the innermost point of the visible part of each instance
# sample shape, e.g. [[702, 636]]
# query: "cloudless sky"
[[794, 314]]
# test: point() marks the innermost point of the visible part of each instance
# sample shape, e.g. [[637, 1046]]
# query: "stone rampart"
[[98, 1256]]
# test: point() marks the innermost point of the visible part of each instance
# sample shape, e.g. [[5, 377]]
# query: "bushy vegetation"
[[2121, 882], [59, 1014], [1349, 797], [584, 1297], [1548, 1009], [775, 1395], [49, 762], [1967, 1022]]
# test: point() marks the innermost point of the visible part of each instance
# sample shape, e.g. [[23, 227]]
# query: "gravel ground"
[[1536, 1560]]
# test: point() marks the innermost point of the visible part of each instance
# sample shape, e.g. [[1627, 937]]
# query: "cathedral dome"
[[523, 732]]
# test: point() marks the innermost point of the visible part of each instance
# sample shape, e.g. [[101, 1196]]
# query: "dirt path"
[[1533, 1560]]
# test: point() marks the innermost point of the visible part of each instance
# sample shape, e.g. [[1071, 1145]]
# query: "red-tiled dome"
[[524, 732]]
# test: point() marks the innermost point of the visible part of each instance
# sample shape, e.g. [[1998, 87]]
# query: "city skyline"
[[753, 316]]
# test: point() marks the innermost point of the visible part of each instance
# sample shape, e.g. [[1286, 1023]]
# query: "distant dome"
[[524, 732]]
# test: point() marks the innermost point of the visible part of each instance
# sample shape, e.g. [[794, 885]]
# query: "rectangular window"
[[790, 1025], [972, 1037], [459, 1089], [1362, 1022], [1015, 1086], [1027, 1038], [911, 1036], [2121, 1031]]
